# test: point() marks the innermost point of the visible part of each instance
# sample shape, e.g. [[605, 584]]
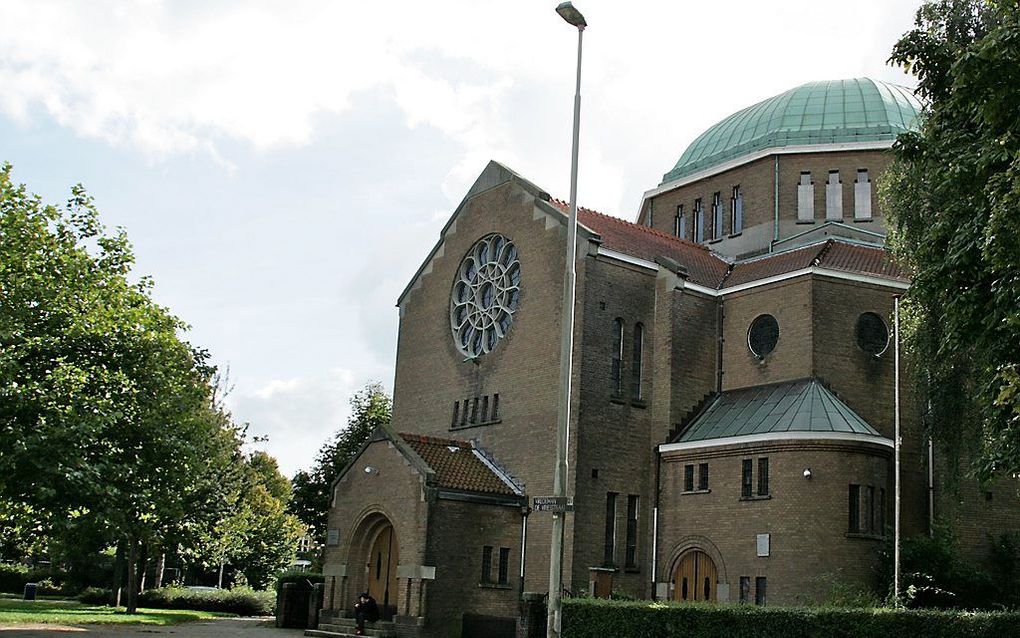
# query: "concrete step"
[[348, 632], [348, 624]]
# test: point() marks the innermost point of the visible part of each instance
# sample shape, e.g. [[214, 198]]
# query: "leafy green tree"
[[953, 197], [371, 407], [258, 536], [106, 414]]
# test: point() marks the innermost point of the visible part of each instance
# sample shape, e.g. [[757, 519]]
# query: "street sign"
[[555, 504]]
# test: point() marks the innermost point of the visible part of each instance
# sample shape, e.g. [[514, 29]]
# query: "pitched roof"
[[710, 270], [459, 465], [795, 406], [704, 267]]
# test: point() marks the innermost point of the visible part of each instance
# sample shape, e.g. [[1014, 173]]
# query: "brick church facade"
[[732, 411]]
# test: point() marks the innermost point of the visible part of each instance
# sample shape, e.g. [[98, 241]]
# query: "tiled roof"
[[772, 265], [862, 259], [703, 267], [708, 269], [794, 406], [458, 465]]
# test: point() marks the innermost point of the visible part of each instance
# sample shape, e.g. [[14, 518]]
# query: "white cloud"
[[298, 414], [169, 77]]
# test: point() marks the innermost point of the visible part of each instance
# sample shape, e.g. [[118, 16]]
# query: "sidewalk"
[[219, 628]]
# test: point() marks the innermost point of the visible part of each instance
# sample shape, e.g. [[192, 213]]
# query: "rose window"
[[485, 295]]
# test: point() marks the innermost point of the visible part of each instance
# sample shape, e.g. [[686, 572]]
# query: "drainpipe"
[[719, 346], [655, 522], [524, 547], [931, 488], [775, 199]]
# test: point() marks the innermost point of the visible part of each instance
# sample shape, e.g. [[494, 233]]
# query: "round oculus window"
[[486, 293], [763, 335], [872, 334]]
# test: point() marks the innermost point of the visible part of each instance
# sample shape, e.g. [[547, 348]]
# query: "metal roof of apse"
[[828, 112], [796, 406]]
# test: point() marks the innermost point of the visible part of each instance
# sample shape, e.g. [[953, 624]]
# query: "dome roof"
[[830, 112]]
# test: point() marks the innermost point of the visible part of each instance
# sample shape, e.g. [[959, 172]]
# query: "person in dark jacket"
[[365, 610]]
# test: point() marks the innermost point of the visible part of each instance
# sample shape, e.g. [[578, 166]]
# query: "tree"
[[953, 199], [371, 407], [107, 418], [257, 536]]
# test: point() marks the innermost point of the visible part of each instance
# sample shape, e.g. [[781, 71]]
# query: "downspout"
[[775, 201], [655, 523], [719, 346], [524, 547], [931, 488]]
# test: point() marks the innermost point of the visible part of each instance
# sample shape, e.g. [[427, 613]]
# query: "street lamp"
[[574, 18]]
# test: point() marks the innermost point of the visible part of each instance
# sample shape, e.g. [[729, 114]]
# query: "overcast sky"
[[282, 168]]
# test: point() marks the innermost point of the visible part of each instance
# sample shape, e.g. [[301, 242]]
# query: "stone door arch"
[[695, 577], [375, 548]]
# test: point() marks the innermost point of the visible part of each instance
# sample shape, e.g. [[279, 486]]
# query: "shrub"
[[96, 596], [13, 578], [243, 601], [303, 579], [596, 618]]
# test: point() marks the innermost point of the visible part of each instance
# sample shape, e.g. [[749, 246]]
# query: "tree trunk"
[[160, 566], [118, 573], [132, 576], [143, 566], [219, 581]]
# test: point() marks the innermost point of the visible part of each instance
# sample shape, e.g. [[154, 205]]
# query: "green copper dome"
[[832, 112]]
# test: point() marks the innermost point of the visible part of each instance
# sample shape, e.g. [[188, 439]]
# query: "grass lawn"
[[70, 612]]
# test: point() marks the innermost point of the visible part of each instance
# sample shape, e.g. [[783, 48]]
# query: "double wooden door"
[[696, 577]]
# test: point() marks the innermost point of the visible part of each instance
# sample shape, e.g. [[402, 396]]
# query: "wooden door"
[[696, 577], [382, 569]]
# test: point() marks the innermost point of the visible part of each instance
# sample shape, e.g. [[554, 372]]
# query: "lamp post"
[[573, 17]]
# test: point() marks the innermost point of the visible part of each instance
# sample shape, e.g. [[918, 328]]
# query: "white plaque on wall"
[[763, 544]]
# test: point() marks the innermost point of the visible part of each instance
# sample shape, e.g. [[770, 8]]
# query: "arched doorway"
[[382, 568], [695, 577]]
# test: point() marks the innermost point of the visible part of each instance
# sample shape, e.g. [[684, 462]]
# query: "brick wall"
[[807, 519], [757, 181], [790, 303], [431, 374], [458, 533]]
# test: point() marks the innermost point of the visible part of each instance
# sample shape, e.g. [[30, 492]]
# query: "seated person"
[[365, 609]]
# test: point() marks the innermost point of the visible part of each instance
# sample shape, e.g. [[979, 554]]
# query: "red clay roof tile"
[[708, 269], [457, 465]]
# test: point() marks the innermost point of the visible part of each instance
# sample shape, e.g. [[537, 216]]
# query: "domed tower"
[[786, 171]]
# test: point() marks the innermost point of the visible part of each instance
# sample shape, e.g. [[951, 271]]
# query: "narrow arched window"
[[617, 368], [639, 342]]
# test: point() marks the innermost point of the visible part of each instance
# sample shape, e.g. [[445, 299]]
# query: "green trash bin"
[[30, 589]]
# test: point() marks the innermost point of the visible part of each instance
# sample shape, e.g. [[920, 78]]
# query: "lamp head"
[[807, 472], [571, 15]]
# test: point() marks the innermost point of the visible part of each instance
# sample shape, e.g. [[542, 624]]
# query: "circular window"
[[763, 335], [872, 334], [486, 293]]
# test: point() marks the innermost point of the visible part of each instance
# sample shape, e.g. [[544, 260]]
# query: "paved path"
[[218, 628]]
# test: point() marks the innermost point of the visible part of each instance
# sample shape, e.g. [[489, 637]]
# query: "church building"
[[731, 433]]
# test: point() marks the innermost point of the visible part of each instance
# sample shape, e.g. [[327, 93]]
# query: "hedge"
[[243, 601], [304, 580], [596, 618], [49, 580]]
